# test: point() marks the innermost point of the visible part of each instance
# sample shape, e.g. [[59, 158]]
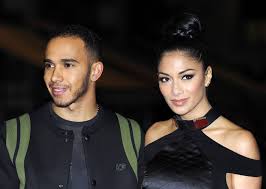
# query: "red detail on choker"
[[201, 123]]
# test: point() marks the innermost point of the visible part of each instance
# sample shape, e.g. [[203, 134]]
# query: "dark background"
[[235, 32]]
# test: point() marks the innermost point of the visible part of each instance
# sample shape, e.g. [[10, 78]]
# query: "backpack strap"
[[131, 139], [17, 142], [136, 131]]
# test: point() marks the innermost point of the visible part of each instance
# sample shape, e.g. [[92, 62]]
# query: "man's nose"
[[57, 75]]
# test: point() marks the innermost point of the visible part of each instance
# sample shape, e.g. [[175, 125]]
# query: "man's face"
[[67, 70]]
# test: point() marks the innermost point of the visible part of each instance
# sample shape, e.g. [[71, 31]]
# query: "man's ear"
[[96, 70], [208, 76]]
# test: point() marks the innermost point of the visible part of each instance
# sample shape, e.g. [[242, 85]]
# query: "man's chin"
[[61, 104]]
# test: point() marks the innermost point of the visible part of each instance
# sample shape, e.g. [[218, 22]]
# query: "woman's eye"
[[163, 79], [187, 77]]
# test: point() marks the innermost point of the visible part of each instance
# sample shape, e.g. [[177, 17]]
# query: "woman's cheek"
[[196, 87], [165, 90]]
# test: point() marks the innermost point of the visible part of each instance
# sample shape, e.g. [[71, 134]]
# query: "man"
[[74, 143]]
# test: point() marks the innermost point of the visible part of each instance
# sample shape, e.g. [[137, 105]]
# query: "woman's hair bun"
[[184, 33], [183, 27]]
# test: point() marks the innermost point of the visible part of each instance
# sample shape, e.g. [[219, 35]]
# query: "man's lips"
[[179, 102], [58, 90]]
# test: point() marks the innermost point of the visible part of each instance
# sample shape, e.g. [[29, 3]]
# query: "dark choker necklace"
[[199, 123]]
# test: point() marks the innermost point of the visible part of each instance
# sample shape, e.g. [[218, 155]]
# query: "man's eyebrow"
[[47, 60], [69, 60]]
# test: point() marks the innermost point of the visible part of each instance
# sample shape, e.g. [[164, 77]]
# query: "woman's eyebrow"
[[185, 71]]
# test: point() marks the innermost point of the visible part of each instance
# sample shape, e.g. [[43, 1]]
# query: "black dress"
[[189, 159]]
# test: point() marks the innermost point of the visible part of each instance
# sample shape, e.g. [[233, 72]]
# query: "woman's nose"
[[177, 89]]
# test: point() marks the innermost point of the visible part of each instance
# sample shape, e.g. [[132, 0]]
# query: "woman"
[[197, 148]]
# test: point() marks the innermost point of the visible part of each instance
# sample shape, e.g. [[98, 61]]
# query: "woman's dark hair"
[[184, 33], [91, 39]]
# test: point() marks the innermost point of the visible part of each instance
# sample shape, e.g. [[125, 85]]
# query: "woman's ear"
[[208, 76], [96, 70]]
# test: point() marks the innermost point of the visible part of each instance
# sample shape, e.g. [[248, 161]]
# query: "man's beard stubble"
[[78, 94]]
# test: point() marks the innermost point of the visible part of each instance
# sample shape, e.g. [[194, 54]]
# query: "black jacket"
[[49, 155]]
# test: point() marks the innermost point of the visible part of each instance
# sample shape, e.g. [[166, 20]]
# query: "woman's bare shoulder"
[[238, 139], [244, 143], [158, 130]]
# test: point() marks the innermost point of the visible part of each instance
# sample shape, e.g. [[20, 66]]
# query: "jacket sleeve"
[[8, 174]]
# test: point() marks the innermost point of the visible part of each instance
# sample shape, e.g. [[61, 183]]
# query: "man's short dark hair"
[[91, 39]]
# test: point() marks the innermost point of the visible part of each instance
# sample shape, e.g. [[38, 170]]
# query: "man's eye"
[[68, 65], [163, 79], [187, 77], [48, 65]]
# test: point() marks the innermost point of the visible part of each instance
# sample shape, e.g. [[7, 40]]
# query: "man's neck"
[[77, 112]]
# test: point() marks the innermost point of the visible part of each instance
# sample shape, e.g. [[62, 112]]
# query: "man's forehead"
[[67, 40]]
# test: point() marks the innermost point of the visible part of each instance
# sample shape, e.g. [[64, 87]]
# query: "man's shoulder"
[[38, 112], [109, 114], [114, 117], [118, 114], [41, 110]]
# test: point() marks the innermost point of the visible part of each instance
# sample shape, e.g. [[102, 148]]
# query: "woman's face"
[[182, 82]]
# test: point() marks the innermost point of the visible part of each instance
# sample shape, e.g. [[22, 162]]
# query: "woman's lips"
[[179, 102]]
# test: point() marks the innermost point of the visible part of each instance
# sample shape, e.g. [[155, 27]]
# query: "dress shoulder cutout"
[[231, 161]]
